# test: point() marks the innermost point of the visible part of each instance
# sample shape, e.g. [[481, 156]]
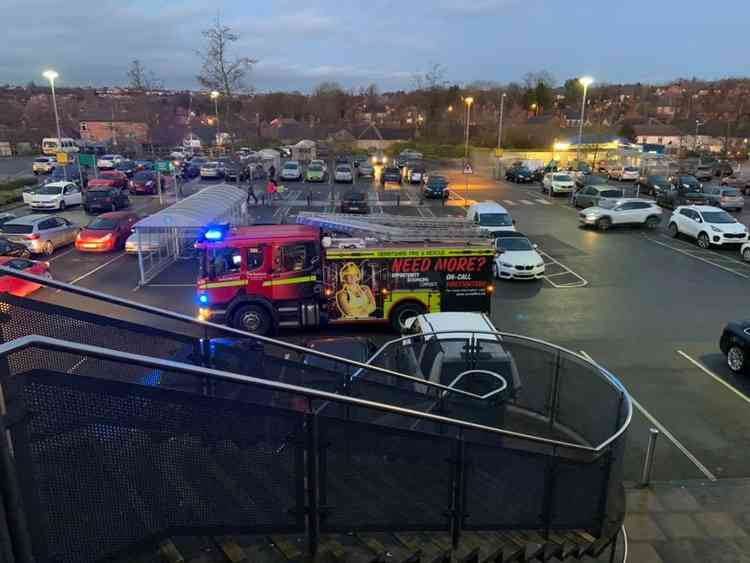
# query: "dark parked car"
[[234, 171], [735, 344], [518, 174], [105, 198], [128, 167], [653, 185], [144, 182], [354, 202], [390, 174], [724, 169], [538, 174], [10, 248], [190, 171], [436, 187], [144, 165], [590, 180], [680, 195]]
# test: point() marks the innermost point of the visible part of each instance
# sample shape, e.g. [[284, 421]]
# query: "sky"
[[386, 42]]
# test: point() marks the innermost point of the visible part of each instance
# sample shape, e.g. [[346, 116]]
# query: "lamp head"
[[50, 75], [586, 81]]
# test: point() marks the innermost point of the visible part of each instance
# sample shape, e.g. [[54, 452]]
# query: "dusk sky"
[[300, 44]]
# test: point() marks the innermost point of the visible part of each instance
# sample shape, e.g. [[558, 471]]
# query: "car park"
[[67, 173], [105, 198], [704, 173], [590, 196], [40, 233], [234, 171], [735, 345], [17, 286], [43, 164], [127, 167], [343, 173], [555, 183], [144, 165], [57, 195], [107, 232], [436, 187], [144, 182], [354, 202], [315, 172], [356, 348], [365, 169], [724, 197], [211, 170], [518, 174], [618, 212], [109, 161], [416, 174], [676, 196], [190, 171], [291, 170], [623, 173], [516, 258], [390, 175], [491, 217], [653, 185], [581, 181], [707, 225]]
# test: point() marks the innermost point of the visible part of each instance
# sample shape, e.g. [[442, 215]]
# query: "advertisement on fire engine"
[[366, 285]]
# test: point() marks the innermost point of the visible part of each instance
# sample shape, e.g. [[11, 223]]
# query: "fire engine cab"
[[332, 268]]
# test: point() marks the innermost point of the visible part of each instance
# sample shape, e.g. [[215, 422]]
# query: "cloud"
[[475, 7]]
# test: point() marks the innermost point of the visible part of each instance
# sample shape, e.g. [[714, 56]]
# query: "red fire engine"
[[260, 278]]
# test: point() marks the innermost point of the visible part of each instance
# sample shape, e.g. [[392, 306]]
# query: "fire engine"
[[332, 268]]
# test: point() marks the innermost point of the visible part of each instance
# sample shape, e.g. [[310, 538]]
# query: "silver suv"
[[41, 234]]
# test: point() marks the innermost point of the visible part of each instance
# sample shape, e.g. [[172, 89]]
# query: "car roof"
[[29, 219], [456, 321], [701, 208], [485, 206], [58, 184]]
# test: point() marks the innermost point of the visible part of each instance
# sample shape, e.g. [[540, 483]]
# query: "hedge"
[[19, 183]]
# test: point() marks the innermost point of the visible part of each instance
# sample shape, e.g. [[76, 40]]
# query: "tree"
[[627, 132], [573, 91], [141, 79], [220, 70]]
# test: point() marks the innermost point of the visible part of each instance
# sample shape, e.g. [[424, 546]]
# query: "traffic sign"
[[468, 169], [163, 166], [87, 160], [62, 158]]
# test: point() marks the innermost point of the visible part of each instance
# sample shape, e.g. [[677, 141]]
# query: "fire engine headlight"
[[204, 314], [490, 288]]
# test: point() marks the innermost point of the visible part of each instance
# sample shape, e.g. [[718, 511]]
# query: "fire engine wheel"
[[252, 318], [403, 312]]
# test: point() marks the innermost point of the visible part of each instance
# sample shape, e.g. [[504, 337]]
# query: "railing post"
[[603, 501], [554, 392], [550, 485], [458, 489], [313, 508], [648, 463]]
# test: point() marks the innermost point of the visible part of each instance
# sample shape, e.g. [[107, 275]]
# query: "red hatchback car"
[[17, 286], [144, 182], [119, 179], [107, 232]]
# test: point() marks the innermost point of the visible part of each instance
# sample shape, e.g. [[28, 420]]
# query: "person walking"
[[271, 190], [251, 193], [272, 172]]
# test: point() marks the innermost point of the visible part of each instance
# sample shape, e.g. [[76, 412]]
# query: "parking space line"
[[696, 257], [715, 377], [87, 274], [580, 282], [509, 202], [526, 202], [61, 254], [543, 201], [663, 429]]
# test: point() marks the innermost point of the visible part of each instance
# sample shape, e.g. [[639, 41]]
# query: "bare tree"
[[220, 70], [139, 78]]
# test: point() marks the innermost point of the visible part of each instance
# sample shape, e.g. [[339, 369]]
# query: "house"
[[572, 118], [666, 110], [380, 137], [285, 128], [658, 134]]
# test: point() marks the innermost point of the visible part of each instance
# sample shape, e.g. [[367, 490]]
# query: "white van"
[[53, 145], [491, 217]]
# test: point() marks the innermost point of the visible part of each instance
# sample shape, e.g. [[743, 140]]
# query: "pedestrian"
[[251, 193], [271, 190], [272, 172]]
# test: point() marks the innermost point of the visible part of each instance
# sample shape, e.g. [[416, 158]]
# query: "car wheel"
[[604, 223], [48, 248], [703, 241], [252, 318], [746, 255], [62, 206], [673, 230], [403, 312], [652, 222], [736, 359]]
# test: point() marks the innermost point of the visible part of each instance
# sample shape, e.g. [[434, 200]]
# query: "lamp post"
[[586, 82], [215, 97], [500, 123], [51, 75], [698, 123], [468, 101]]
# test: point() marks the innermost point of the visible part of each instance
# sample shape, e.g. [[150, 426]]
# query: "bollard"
[[398, 200], [648, 463], [309, 200]]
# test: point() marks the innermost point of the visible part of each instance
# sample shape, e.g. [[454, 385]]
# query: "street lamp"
[[468, 101], [586, 82], [450, 108], [698, 123], [51, 75], [500, 123], [215, 97]]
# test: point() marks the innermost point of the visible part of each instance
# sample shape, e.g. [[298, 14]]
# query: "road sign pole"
[[158, 187]]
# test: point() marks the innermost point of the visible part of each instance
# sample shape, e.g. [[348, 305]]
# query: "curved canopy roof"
[[203, 208]]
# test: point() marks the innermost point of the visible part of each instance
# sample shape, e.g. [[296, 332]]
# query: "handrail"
[[59, 345], [611, 379], [206, 324]]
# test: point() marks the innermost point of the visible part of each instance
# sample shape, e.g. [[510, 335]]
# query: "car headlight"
[[590, 217], [506, 264], [715, 229]]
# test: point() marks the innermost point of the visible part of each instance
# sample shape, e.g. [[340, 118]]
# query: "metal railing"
[[148, 460]]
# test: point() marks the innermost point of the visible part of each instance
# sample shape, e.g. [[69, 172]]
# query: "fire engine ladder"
[[396, 227]]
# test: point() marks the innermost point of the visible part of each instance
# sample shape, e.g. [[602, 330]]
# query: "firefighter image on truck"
[[262, 278]]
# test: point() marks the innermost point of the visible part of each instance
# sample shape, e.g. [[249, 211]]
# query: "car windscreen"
[[143, 176], [342, 169], [718, 217], [291, 165], [495, 219], [107, 157], [17, 229], [689, 180], [522, 170], [102, 224], [562, 178], [611, 193], [437, 181], [731, 192], [355, 196], [514, 243], [630, 169], [41, 159], [593, 180], [49, 190], [211, 165], [315, 168], [657, 179]]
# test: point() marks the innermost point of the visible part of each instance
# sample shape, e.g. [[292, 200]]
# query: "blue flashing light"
[[203, 299], [213, 234]]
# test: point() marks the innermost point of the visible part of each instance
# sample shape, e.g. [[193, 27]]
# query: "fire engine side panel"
[[361, 285]]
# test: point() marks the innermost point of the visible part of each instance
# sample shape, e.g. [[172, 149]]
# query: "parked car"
[[623, 173], [410, 165], [491, 217], [43, 164], [735, 345], [109, 161], [211, 170], [365, 169], [583, 180], [292, 170], [10, 248], [739, 180], [516, 258], [40, 233], [147, 244], [555, 183], [590, 196], [57, 195], [724, 197], [127, 167], [144, 182], [518, 174], [359, 159], [723, 168], [67, 173], [315, 173], [624, 211], [436, 187], [190, 171], [17, 286], [390, 175], [321, 163], [681, 195], [107, 232], [653, 185], [343, 173], [144, 165], [704, 173], [105, 198], [117, 177], [416, 174], [707, 225], [234, 171], [354, 202]]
